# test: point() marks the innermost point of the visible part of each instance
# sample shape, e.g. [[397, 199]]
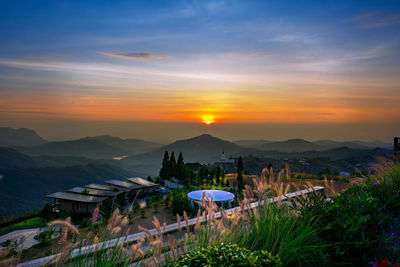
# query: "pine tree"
[[180, 159], [180, 169], [239, 174], [165, 166], [172, 165]]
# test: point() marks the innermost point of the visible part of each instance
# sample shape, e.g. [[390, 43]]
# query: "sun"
[[208, 119]]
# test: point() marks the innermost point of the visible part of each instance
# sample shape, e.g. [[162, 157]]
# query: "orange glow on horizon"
[[208, 119]]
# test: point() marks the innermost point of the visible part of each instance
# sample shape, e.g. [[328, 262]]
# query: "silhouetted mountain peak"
[[19, 137]]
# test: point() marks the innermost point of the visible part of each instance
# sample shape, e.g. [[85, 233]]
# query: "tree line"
[[172, 168]]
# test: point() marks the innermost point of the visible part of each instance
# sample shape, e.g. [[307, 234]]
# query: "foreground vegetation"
[[359, 227]]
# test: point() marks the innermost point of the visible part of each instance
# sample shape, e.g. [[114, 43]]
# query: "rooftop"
[[76, 197], [93, 192], [123, 184], [105, 187], [141, 181]]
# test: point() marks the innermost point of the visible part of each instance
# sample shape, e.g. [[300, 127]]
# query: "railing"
[[169, 228]]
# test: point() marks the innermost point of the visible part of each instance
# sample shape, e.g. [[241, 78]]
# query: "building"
[[122, 195], [223, 159], [83, 200], [148, 187], [112, 196], [132, 190], [76, 203]]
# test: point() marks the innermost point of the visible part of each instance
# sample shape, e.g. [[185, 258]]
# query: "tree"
[[180, 172], [164, 171], [202, 175], [211, 177], [218, 175], [149, 179], [136, 206], [180, 159], [47, 212], [239, 169], [172, 166]]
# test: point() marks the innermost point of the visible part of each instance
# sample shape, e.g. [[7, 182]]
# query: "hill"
[[11, 158], [300, 145], [76, 148], [19, 137], [22, 190], [291, 145], [341, 153], [132, 146], [203, 149], [252, 143], [207, 149]]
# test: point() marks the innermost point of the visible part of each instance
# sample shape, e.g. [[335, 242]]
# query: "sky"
[[163, 70]]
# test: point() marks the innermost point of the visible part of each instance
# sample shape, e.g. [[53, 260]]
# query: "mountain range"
[[207, 149], [300, 145], [97, 147], [31, 167]]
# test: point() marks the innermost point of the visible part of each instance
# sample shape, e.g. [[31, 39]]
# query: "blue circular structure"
[[216, 195]]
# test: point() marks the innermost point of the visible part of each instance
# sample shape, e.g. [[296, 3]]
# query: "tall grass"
[[280, 232], [277, 228]]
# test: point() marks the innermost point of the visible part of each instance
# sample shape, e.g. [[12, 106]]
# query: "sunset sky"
[[157, 69]]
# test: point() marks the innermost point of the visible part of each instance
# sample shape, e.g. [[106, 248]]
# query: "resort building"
[[148, 187], [76, 203], [122, 193], [132, 190], [83, 200], [112, 196]]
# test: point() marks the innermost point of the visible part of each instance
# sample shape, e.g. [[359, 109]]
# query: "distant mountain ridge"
[[207, 149], [301, 145], [131, 145], [19, 137], [96, 147], [83, 148]]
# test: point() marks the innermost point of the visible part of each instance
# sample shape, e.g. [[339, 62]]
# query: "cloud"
[[136, 56], [374, 19]]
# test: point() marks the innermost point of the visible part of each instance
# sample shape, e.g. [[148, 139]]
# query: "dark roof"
[[93, 192], [123, 184], [141, 181], [76, 197], [105, 187]]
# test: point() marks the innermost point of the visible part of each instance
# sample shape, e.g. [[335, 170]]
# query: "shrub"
[[227, 255], [362, 225], [279, 231], [44, 237]]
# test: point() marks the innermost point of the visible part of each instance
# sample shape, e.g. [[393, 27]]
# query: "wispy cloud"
[[374, 19], [135, 56]]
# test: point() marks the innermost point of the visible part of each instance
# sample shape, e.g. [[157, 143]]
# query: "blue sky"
[[179, 61]]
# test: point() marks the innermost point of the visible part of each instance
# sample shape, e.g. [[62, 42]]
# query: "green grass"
[[36, 222]]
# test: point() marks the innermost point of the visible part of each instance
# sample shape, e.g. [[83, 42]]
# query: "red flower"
[[382, 263], [396, 265]]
